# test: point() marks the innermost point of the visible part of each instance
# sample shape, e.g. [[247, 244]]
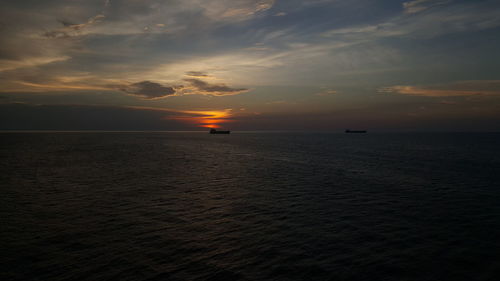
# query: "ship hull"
[[213, 131]]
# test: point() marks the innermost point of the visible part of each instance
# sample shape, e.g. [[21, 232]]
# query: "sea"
[[249, 206]]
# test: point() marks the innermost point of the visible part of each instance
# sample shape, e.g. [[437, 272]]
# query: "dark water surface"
[[249, 206]]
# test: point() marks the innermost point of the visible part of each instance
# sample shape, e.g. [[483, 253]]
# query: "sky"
[[318, 65]]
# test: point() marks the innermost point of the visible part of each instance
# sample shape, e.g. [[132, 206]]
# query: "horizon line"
[[232, 131]]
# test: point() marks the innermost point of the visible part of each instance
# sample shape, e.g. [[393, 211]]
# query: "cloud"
[[197, 74], [415, 6], [461, 88], [353, 30], [132, 17], [197, 86], [236, 10], [27, 116], [327, 93], [22, 47], [148, 90], [152, 90], [30, 62], [206, 118], [279, 102], [457, 18], [207, 44], [428, 92], [70, 29], [19, 116]]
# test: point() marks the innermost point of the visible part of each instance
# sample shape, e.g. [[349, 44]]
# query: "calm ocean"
[[249, 206]]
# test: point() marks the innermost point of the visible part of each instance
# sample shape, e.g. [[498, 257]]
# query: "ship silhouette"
[[214, 131], [355, 131]]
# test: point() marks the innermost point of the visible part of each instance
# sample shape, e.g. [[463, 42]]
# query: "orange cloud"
[[200, 118], [462, 88], [205, 119], [60, 87]]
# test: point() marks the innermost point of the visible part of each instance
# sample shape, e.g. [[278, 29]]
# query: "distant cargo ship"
[[214, 131], [355, 131]]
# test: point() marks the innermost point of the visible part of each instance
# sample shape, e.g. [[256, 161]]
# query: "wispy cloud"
[[30, 62], [72, 29], [327, 92], [415, 6], [428, 92], [461, 88], [459, 18], [236, 9], [130, 17]]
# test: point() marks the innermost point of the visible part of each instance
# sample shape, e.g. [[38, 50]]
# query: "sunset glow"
[[291, 65], [207, 119]]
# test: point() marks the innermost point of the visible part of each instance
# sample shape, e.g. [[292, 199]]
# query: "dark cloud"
[[17, 116], [67, 23], [57, 34], [213, 89], [197, 74], [71, 29], [149, 90]]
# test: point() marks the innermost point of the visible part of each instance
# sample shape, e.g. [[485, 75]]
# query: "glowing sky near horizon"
[[250, 64]]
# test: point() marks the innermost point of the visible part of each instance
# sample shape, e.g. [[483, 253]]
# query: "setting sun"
[[207, 119]]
